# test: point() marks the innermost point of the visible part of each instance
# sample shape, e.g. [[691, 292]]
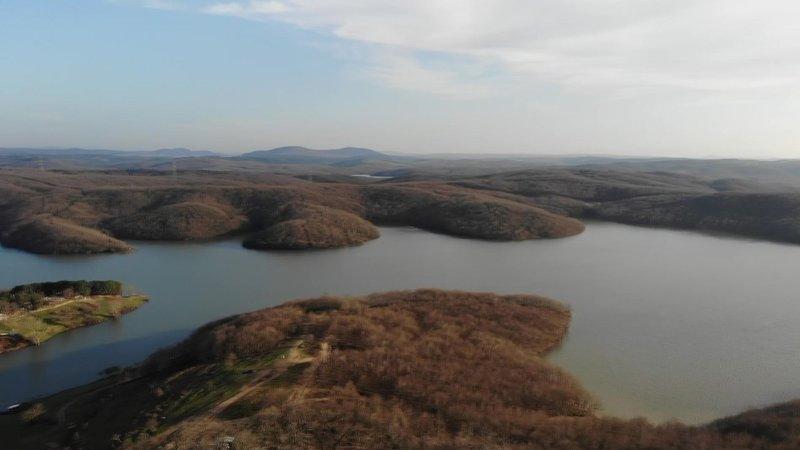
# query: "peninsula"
[[412, 369], [31, 314]]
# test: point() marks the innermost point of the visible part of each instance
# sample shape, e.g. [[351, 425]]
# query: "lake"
[[666, 324]]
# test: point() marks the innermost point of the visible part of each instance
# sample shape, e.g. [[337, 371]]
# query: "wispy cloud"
[[403, 71], [158, 4], [249, 10], [706, 45]]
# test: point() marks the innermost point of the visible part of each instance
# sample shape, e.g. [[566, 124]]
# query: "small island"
[[31, 314]]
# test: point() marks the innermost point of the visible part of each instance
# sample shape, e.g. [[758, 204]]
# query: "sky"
[[690, 78]]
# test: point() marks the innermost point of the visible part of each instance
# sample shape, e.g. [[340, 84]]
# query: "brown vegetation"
[[771, 216], [314, 226], [12, 342], [716, 195], [79, 212], [451, 210], [88, 212], [180, 221], [422, 369], [53, 235], [659, 199]]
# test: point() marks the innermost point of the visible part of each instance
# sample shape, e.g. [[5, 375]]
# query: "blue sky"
[[703, 78]]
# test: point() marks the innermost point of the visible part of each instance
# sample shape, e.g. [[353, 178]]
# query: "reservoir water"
[[666, 324]]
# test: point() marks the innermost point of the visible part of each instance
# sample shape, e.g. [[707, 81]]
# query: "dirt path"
[[48, 308], [34, 311], [56, 306], [274, 371], [264, 376], [293, 356]]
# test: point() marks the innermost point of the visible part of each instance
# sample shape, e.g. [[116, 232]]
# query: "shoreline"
[[36, 327]]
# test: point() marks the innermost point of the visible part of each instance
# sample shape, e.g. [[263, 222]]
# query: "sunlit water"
[[666, 324]]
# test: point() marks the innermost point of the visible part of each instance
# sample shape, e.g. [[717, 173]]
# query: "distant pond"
[[667, 324]]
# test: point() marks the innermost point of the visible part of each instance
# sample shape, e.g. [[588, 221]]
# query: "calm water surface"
[[666, 324]]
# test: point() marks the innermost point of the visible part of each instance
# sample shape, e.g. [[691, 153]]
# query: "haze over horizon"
[[699, 79], [206, 152]]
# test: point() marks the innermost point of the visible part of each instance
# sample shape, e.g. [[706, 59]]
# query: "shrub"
[[31, 296], [108, 287], [82, 287]]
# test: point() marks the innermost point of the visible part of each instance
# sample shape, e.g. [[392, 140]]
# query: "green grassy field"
[[41, 325]]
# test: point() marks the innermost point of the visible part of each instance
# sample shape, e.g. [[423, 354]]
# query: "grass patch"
[[210, 389], [262, 363], [291, 375], [217, 383], [39, 326]]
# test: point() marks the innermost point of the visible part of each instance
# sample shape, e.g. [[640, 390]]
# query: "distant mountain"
[[24, 151], [160, 153], [303, 155], [180, 153]]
